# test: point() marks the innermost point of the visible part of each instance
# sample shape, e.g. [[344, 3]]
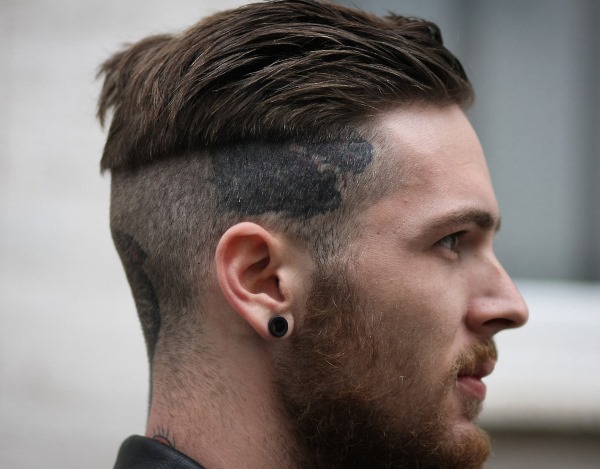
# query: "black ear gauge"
[[278, 326]]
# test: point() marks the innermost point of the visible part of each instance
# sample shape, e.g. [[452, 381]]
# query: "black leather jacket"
[[139, 452]]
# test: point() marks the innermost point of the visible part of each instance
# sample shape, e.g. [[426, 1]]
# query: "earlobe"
[[249, 264]]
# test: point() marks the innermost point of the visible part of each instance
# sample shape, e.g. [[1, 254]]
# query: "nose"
[[496, 304]]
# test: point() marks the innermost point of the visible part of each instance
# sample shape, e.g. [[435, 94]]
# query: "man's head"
[[304, 160]]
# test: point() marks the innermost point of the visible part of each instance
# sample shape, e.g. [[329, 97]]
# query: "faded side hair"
[[259, 113]]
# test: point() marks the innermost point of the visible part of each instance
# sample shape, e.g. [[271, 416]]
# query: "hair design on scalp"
[[297, 181], [259, 113], [133, 257], [270, 71]]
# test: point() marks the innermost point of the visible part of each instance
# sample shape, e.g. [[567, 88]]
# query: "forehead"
[[436, 160], [424, 138]]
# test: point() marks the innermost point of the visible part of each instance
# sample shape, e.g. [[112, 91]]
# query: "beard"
[[357, 400]]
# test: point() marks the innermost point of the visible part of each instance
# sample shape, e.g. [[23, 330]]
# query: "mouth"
[[469, 379]]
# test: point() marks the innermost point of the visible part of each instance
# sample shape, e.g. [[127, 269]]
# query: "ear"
[[258, 274]]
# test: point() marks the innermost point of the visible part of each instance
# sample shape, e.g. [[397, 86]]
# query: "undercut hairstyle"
[[259, 113]]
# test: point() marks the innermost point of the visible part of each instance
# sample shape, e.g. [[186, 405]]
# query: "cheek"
[[419, 323], [417, 303]]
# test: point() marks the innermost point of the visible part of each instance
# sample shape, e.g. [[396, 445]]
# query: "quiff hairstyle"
[[272, 80]]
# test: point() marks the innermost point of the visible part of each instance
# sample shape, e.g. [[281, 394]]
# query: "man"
[[306, 219]]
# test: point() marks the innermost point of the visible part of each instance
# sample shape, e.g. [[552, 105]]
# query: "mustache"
[[472, 361]]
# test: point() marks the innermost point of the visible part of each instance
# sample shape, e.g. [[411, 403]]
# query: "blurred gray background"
[[73, 375], [535, 66]]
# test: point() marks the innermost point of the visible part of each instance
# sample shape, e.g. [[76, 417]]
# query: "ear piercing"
[[278, 326]]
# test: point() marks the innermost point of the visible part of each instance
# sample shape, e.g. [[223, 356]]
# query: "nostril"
[[498, 324]]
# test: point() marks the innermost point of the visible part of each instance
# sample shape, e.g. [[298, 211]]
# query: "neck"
[[226, 412]]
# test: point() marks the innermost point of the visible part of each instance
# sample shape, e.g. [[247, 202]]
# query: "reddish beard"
[[346, 414]]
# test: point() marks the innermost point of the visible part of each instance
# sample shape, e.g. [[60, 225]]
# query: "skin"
[[428, 290], [423, 295], [433, 241]]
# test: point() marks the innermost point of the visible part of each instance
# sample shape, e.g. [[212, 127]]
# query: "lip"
[[470, 381], [472, 386]]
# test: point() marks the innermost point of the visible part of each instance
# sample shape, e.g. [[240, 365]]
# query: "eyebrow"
[[483, 219]]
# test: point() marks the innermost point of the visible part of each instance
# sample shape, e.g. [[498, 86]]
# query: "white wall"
[[72, 366]]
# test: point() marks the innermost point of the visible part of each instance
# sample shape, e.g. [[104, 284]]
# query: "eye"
[[450, 242]]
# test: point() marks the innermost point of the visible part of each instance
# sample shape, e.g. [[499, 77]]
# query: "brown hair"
[[257, 113], [269, 71]]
